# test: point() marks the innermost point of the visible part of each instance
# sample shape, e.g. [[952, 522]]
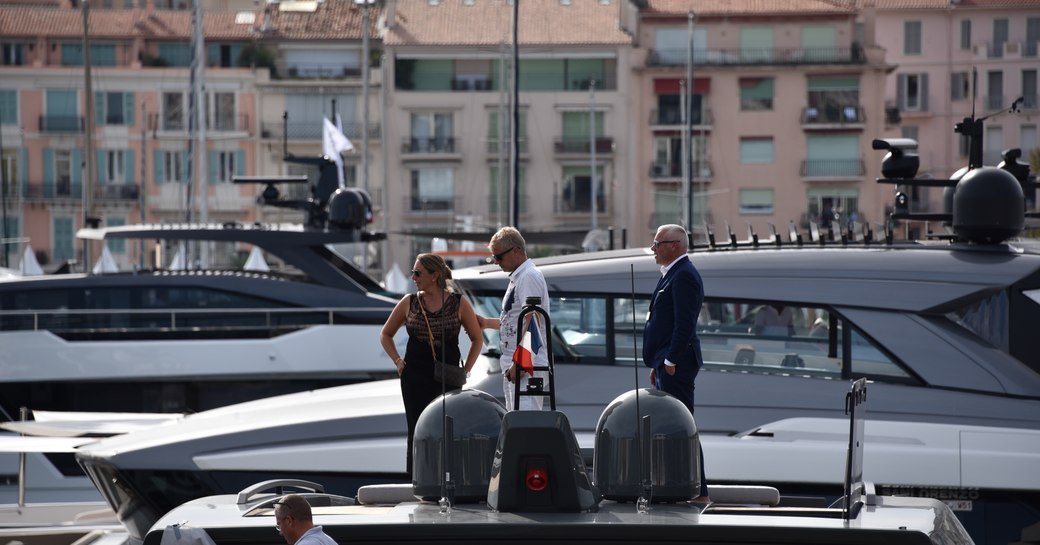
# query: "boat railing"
[[71, 323]]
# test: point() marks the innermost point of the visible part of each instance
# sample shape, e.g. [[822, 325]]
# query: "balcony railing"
[[604, 144], [492, 145], [832, 168], [312, 70], [440, 144], [670, 117], [300, 130], [61, 123], [117, 192], [230, 123], [701, 170], [833, 115], [758, 56], [420, 205], [58, 190]]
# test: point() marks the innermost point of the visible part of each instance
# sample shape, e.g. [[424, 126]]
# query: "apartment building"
[[448, 65], [954, 58], [786, 98], [280, 65]]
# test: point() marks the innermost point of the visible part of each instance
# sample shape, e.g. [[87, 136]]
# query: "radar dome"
[[988, 206], [347, 209], [473, 426], [669, 457]]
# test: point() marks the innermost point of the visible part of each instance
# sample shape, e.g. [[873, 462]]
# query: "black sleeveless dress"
[[418, 388]]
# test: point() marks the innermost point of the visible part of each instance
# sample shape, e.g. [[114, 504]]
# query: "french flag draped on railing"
[[528, 347]]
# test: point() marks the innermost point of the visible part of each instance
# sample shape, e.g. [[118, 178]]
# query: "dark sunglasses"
[[417, 272], [500, 255]]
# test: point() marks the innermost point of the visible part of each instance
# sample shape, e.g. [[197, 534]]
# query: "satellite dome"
[[988, 206], [474, 423], [949, 191], [670, 457], [347, 209]]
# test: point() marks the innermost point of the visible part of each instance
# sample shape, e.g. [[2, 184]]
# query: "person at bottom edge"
[[433, 318], [671, 348], [293, 520]]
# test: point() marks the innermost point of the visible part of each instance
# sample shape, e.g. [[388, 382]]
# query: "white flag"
[[333, 143]]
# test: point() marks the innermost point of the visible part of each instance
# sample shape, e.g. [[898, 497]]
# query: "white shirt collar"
[[665, 268]]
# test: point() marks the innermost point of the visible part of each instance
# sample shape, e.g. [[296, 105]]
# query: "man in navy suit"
[[671, 348]]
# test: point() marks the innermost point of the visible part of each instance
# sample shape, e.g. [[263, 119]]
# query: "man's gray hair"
[[511, 237], [676, 232]]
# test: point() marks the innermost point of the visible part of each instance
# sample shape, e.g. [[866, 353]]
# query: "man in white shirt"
[[293, 520], [509, 251]]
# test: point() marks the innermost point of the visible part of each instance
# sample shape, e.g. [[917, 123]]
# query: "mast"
[[90, 178], [198, 72], [514, 129], [688, 128], [592, 151]]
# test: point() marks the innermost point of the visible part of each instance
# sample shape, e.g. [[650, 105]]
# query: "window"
[[819, 43], [432, 132], [173, 112], [834, 155], [62, 111], [833, 100], [672, 45], [175, 54], [576, 130], [63, 173], [830, 206], [993, 145], [1029, 91], [965, 34], [500, 193], [306, 112], [756, 201], [433, 189], [222, 110], [756, 150], [1000, 37], [1032, 35], [994, 90], [494, 129], [113, 166], [114, 108], [756, 93], [987, 318], [115, 245], [100, 54], [223, 55], [8, 107], [756, 44], [12, 54], [912, 37], [170, 166], [960, 85], [912, 92], [577, 189], [9, 169], [223, 165]]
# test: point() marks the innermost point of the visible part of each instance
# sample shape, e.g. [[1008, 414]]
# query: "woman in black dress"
[[433, 318]]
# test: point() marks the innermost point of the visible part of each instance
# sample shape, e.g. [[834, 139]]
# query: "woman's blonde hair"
[[434, 263]]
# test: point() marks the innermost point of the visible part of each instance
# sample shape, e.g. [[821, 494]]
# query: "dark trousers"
[[418, 389]]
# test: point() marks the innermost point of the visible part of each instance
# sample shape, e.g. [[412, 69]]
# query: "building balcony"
[[299, 130], [833, 117], [758, 56], [494, 148], [670, 118], [833, 169], [671, 171], [61, 123], [582, 145], [437, 145], [56, 191], [116, 192], [230, 123], [313, 70], [432, 206]]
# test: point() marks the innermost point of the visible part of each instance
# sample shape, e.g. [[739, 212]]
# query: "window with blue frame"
[[100, 54], [8, 107], [175, 54], [114, 108]]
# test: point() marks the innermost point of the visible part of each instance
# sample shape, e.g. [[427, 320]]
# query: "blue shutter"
[[8, 107], [100, 115], [236, 52], [157, 167], [129, 158], [102, 163], [240, 163], [185, 164], [128, 109], [212, 55], [48, 172], [23, 169], [213, 167], [77, 173]]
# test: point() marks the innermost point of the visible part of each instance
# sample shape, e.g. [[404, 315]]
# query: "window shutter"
[[77, 172], [128, 109], [102, 162], [48, 171], [128, 156], [158, 165], [213, 167], [924, 92], [100, 118], [240, 163], [23, 169]]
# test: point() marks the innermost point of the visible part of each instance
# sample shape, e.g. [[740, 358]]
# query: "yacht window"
[[772, 337], [629, 319], [582, 324], [988, 318]]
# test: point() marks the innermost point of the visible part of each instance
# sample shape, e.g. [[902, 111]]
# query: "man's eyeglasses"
[[498, 257], [660, 242]]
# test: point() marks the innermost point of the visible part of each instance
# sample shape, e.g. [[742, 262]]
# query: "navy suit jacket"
[[671, 330]]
